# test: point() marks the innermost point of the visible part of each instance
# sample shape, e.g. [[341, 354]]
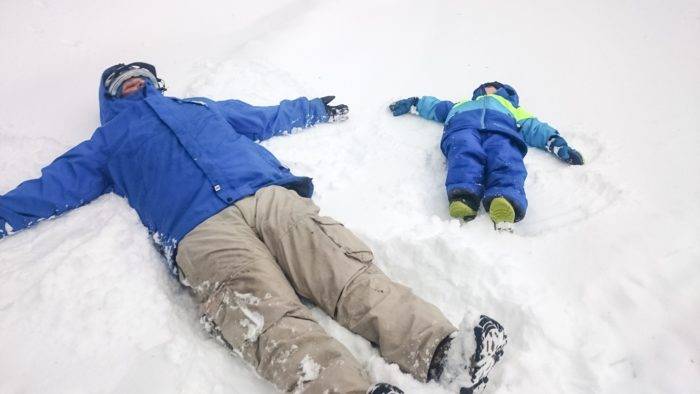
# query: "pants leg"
[[329, 265], [505, 172], [249, 305], [466, 161]]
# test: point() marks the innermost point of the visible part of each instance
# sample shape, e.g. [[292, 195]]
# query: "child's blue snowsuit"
[[484, 141]]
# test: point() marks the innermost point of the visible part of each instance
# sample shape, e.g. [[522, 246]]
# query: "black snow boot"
[[384, 388], [463, 360]]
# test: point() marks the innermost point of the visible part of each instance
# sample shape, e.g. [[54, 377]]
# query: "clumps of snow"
[[9, 230], [204, 287], [459, 355], [291, 131], [207, 324], [310, 120], [309, 371], [247, 298], [254, 323], [167, 247]]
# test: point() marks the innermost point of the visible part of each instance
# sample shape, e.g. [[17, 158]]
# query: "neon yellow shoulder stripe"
[[519, 113]]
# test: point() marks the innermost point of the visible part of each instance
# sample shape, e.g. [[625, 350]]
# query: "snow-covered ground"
[[599, 286]]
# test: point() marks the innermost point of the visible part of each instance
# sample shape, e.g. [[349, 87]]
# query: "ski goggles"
[[120, 73]]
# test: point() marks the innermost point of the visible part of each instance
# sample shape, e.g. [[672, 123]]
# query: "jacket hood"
[[111, 106], [503, 90]]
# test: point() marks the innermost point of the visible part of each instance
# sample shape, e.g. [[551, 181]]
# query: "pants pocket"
[[344, 239]]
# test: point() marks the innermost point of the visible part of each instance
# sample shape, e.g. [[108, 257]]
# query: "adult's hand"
[[335, 113]]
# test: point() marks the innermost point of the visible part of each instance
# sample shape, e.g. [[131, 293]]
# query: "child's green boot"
[[502, 214], [460, 210]]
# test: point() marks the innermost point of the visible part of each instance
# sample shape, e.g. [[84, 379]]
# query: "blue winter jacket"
[[499, 112], [176, 161]]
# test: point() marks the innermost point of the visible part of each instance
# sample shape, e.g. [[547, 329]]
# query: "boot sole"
[[490, 338], [502, 214], [460, 210]]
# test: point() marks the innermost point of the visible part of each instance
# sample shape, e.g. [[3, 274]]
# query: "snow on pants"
[[248, 264], [484, 165]]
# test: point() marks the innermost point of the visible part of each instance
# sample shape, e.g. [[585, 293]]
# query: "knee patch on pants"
[[241, 318]]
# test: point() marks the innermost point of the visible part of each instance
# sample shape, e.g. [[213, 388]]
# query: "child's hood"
[[503, 90]]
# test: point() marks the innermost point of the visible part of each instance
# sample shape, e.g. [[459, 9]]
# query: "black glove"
[[335, 112], [403, 106]]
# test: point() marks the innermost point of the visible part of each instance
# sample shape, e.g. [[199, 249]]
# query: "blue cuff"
[[318, 112], [536, 133], [426, 107]]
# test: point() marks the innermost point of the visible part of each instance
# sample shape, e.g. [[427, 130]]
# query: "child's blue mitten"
[[558, 147], [403, 106]]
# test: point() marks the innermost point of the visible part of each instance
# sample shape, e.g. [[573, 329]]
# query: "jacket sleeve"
[[74, 179], [536, 133], [261, 123], [432, 108]]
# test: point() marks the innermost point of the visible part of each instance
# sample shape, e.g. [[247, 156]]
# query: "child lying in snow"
[[485, 140]]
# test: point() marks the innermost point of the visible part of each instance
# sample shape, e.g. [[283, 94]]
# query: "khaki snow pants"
[[247, 266]]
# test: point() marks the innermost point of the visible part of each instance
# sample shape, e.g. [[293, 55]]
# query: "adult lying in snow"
[[485, 140], [242, 232]]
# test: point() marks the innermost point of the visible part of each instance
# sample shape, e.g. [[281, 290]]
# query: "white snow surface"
[[598, 287]]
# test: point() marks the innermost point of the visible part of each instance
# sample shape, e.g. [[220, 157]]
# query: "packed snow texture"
[[598, 287]]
